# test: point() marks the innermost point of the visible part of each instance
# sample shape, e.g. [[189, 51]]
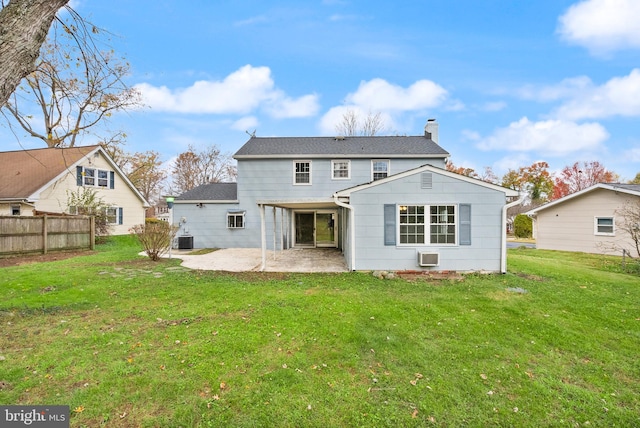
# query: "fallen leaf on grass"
[[413, 382], [223, 385], [483, 376], [79, 409], [414, 414]]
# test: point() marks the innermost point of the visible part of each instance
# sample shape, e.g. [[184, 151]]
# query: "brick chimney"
[[431, 130]]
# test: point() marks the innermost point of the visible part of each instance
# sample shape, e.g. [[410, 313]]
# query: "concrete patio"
[[250, 259]]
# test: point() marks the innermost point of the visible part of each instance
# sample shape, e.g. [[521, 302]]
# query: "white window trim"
[[388, 162], [595, 226], [295, 183], [117, 215], [241, 214], [334, 162], [95, 177], [427, 225]]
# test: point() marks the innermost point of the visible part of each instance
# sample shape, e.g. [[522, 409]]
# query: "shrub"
[[522, 226], [155, 236]]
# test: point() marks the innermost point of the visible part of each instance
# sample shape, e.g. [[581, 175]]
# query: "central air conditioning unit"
[[185, 242], [428, 259]]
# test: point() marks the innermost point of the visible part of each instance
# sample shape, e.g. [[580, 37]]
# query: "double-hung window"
[[93, 177], [302, 172], [432, 224], [114, 215], [604, 226], [379, 169], [340, 169]]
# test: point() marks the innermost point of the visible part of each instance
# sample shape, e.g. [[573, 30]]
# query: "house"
[[587, 221], [387, 202], [40, 180]]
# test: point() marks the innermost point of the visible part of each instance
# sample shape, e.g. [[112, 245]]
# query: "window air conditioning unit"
[[428, 259]]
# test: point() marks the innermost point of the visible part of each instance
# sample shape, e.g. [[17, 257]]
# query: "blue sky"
[[510, 82]]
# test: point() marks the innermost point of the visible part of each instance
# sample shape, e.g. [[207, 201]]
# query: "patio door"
[[315, 228]]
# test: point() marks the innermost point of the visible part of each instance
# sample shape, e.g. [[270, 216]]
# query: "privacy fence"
[[45, 233]]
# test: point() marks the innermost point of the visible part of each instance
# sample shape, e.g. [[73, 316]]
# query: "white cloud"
[[247, 123], [567, 88], [620, 96], [549, 138], [602, 26], [241, 92], [380, 95]]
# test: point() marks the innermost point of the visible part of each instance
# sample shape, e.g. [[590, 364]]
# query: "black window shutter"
[[120, 220], [79, 175], [389, 224], [112, 179], [465, 224]]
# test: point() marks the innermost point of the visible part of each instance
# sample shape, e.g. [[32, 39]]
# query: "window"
[[302, 172], [440, 221], [103, 178], [604, 226], [443, 224], [235, 220], [114, 215], [380, 169], [89, 175], [340, 169], [15, 209]]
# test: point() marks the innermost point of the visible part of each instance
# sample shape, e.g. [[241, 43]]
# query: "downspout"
[[503, 255], [352, 229]]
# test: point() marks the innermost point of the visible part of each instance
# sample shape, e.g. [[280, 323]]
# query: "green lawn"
[[129, 342]]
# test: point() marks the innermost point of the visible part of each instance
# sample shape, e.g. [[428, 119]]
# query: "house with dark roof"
[[386, 202], [588, 221], [40, 180]]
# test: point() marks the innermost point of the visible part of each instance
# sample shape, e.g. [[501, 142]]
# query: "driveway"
[[250, 259]]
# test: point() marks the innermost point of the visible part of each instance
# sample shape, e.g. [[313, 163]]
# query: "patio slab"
[[250, 259]]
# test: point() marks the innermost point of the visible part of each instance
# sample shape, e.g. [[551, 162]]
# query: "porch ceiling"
[[299, 203]]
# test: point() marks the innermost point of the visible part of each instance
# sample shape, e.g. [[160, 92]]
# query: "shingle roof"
[[378, 146], [24, 172], [211, 192]]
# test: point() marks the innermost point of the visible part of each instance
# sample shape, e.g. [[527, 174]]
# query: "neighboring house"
[[41, 179], [387, 202], [585, 221]]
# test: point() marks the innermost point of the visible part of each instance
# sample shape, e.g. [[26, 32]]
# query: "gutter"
[[503, 244], [352, 241]]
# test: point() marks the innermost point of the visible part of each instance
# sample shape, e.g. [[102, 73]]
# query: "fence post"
[[92, 232], [45, 239]]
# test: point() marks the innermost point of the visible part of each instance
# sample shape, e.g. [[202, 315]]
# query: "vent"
[[426, 180], [185, 242], [428, 259]]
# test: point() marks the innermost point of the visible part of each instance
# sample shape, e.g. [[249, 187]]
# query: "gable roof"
[[428, 168], [631, 189], [353, 147], [25, 173], [211, 192]]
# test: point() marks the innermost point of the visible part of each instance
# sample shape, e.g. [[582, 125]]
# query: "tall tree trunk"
[[24, 25]]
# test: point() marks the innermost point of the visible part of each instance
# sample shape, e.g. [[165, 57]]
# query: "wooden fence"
[[44, 233]]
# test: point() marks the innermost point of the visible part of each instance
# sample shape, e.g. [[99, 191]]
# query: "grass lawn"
[[127, 342]]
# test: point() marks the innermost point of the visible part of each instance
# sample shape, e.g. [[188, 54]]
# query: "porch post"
[[274, 232], [263, 234]]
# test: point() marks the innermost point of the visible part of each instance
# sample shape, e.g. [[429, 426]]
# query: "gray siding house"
[[387, 202]]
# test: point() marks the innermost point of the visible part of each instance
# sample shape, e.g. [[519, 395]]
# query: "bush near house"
[[155, 236], [522, 226]]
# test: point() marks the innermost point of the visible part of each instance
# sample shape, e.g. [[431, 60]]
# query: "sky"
[[510, 82]]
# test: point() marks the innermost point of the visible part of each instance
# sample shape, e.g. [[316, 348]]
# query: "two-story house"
[[387, 202], [40, 180]]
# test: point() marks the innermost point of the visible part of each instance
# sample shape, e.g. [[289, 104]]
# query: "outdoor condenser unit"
[[185, 242], [428, 259]]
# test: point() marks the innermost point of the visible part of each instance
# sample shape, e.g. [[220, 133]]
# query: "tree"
[[352, 125], [629, 222], [24, 25], [85, 201], [144, 171], [580, 176], [512, 179], [75, 87], [193, 168], [468, 172], [636, 179], [536, 180]]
